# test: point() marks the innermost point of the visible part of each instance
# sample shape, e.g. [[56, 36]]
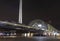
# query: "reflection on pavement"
[[29, 39]]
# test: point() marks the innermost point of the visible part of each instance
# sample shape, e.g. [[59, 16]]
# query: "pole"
[[20, 12]]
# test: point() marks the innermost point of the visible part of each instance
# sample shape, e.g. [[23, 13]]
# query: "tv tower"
[[20, 12]]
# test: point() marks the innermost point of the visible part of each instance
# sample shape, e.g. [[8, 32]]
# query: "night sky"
[[32, 9], [9, 10]]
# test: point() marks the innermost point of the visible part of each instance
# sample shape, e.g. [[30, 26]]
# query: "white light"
[[15, 24], [39, 25], [31, 34], [1, 34], [7, 34], [25, 34], [42, 29], [56, 33], [3, 22], [14, 33], [49, 33]]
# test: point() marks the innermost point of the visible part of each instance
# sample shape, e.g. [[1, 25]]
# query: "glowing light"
[[15, 24], [45, 33], [1, 34], [56, 33], [42, 29], [28, 34], [39, 25], [31, 34], [25, 34], [2, 22]]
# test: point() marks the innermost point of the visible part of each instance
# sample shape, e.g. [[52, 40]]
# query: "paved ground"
[[29, 39]]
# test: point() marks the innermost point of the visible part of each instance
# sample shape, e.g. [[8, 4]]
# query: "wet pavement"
[[30, 39]]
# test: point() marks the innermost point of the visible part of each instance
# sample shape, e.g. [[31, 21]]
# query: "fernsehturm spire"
[[20, 11]]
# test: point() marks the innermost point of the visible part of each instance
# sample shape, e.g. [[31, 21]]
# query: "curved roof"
[[39, 24]]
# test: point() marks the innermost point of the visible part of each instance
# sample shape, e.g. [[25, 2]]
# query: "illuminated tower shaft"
[[20, 11]]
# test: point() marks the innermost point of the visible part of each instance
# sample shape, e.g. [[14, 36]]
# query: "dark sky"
[[32, 9], [9, 9], [42, 9]]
